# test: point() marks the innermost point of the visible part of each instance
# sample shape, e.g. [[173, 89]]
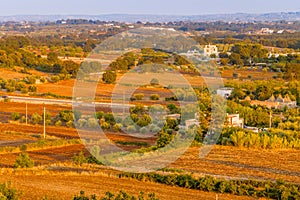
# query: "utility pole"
[[124, 99], [44, 122], [26, 114], [270, 119]]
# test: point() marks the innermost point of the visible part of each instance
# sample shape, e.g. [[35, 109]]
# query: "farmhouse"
[[234, 120], [210, 50], [225, 92]]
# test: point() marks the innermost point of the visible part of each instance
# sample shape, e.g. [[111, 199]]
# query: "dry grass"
[[235, 163], [8, 73], [65, 187]]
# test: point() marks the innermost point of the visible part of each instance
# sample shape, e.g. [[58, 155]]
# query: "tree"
[[23, 161], [92, 123], [109, 77], [154, 97], [8, 192], [235, 59], [144, 121], [139, 96], [164, 139], [66, 115], [32, 88], [79, 159], [173, 108], [36, 118], [15, 116]]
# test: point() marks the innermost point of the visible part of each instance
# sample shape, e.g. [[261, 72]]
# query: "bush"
[[81, 123], [99, 114], [24, 91], [23, 147], [66, 116], [55, 79], [139, 96], [8, 193], [36, 118], [23, 161], [109, 77], [79, 159], [92, 123], [154, 97], [58, 123], [15, 116], [272, 190], [131, 129], [120, 196], [32, 88], [69, 124], [117, 127], [105, 125]]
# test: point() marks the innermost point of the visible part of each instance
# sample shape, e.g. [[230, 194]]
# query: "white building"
[[234, 120], [225, 92], [210, 50], [266, 31]]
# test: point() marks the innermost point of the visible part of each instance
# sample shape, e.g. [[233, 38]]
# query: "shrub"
[[55, 79], [145, 120], [9, 193], [69, 124], [109, 118], [272, 190], [58, 123], [23, 147], [105, 125], [24, 91], [139, 96], [117, 127], [81, 123], [66, 116], [23, 161], [36, 118], [92, 123], [154, 97], [99, 114], [32, 88], [131, 129], [109, 77], [15, 116], [120, 196], [79, 159]]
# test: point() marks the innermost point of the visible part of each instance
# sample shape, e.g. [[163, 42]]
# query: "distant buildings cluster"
[[272, 102]]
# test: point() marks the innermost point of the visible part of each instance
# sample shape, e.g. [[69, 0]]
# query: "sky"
[[163, 7]]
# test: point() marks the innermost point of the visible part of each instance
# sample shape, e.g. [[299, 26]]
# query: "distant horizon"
[[153, 7], [145, 14], [141, 14]]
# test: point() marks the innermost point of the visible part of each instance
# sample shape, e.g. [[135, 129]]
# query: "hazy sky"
[[188, 7]]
